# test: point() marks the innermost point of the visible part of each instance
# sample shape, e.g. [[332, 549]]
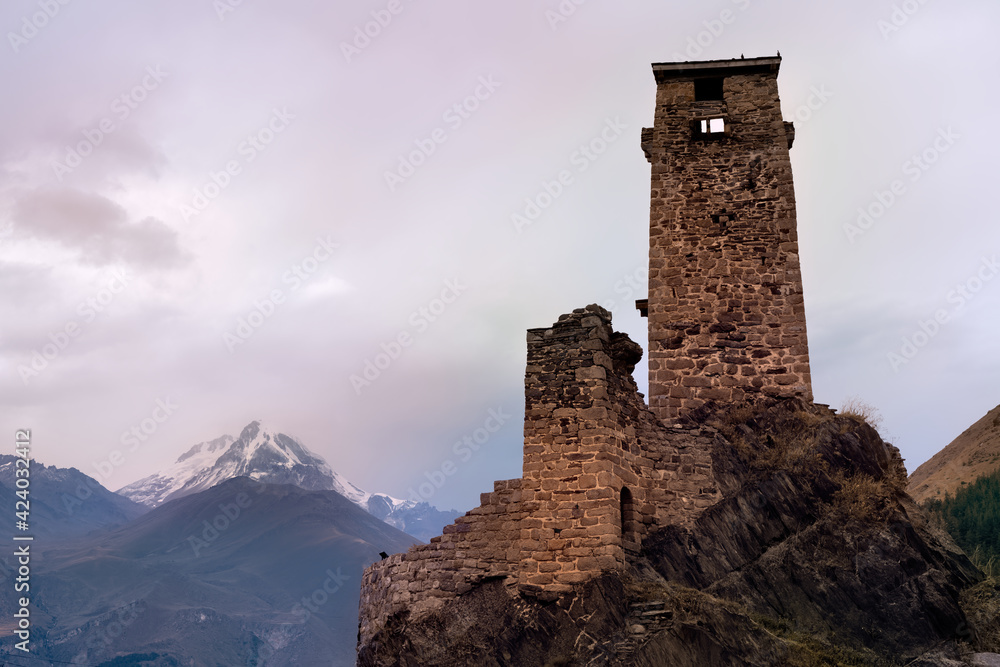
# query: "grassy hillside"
[[973, 454]]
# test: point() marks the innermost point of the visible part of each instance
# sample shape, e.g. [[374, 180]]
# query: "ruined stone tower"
[[725, 307], [726, 319]]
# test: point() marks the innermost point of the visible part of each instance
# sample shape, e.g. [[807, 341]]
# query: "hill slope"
[[244, 573], [974, 453]]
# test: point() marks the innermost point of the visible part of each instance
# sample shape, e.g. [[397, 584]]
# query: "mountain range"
[[268, 456], [243, 573], [248, 550]]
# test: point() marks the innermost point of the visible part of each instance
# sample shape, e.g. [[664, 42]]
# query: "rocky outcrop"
[[824, 536], [813, 555]]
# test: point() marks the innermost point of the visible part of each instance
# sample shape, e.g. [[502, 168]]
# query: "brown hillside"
[[969, 456]]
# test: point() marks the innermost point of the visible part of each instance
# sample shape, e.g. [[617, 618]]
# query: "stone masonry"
[[725, 308], [726, 321]]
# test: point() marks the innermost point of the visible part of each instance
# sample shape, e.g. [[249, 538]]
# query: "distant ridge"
[[64, 502], [976, 452]]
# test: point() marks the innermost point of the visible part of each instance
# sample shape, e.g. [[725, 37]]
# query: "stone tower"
[[726, 320], [725, 307]]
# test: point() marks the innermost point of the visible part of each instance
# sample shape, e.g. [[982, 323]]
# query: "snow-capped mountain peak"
[[267, 455], [259, 452]]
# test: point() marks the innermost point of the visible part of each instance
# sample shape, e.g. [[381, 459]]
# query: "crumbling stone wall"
[[600, 471], [725, 308], [575, 443], [589, 439], [483, 543]]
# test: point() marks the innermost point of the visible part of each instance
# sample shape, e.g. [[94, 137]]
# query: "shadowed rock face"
[[814, 551], [824, 537]]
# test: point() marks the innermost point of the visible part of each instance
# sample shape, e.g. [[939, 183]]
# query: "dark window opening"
[[756, 166], [708, 89], [723, 220], [630, 537]]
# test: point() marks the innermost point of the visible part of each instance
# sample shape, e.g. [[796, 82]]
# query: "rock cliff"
[[813, 555]]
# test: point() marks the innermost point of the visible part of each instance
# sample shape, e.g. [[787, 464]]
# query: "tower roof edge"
[[675, 70]]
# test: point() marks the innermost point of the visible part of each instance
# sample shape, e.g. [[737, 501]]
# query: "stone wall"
[[483, 543], [589, 439], [725, 308], [575, 448], [599, 472]]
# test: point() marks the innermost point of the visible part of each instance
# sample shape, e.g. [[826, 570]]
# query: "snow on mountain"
[[156, 489], [268, 456]]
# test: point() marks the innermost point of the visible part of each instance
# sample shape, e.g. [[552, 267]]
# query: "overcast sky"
[[212, 212]]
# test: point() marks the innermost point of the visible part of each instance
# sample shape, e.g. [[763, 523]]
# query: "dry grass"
[[682, 599], [808, 651], [987, 563], [981, 604], [791, 445], [791, 450], [864, 498], [732, 422], [862, 411], [810, 419], [803, 650]]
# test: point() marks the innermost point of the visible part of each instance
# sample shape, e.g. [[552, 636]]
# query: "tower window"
[[708, 89], [709, 128], [713, 126], [627, 511]]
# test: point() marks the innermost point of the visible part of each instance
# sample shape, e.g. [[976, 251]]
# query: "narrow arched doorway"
[[630, 533]]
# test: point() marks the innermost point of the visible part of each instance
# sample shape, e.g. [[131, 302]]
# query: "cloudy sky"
[[212, 212]]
